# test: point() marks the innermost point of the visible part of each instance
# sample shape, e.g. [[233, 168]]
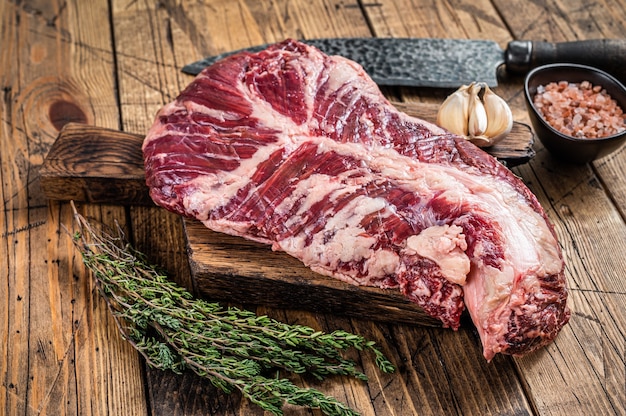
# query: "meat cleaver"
[[449, 63]]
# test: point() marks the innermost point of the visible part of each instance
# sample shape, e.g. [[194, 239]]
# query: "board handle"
[[97, 165]]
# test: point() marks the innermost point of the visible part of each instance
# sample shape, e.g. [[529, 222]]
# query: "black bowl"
[[562, 146]]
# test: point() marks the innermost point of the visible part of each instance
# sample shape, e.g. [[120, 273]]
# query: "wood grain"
[[115, 63], [587, 366], [60, 351], [106, 166]]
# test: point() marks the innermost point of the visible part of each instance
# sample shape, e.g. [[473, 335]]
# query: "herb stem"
[[233, 348]]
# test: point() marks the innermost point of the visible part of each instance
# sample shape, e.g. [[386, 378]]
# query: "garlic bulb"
[[476, 112]]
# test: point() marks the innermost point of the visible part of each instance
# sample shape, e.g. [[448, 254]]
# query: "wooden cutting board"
[[97, 165]]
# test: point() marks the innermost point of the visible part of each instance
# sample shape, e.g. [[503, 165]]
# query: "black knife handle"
[[606, 54]]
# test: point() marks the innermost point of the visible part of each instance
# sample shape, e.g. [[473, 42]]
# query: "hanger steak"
[[300, 150]]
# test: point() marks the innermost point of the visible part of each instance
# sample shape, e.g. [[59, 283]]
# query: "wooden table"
[[114, 63]]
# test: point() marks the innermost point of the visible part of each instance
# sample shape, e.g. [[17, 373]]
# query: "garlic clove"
[[499, 116], [481, 141], [477, 120], [454, 112]]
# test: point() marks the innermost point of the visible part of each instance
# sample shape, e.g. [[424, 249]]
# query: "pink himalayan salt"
[[580, 110]]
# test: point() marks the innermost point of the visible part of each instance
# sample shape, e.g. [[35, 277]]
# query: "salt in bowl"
[[565, 147]]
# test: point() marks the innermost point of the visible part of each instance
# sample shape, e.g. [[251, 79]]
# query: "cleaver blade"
[[450, 63]]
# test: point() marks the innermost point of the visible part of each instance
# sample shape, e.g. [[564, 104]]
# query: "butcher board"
[[97, 165]]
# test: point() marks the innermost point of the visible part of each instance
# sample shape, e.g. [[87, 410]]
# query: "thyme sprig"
[[233, 348]]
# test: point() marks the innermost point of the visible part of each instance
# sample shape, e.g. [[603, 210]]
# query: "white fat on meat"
[[343, 240], [445, 245], [490, 294]]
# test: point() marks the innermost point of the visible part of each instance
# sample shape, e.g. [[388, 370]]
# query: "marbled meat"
[[300, 150]]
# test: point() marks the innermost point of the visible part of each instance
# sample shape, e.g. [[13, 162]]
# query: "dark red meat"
[[300, 150]]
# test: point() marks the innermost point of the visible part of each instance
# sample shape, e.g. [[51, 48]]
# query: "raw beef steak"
[[300, 150]]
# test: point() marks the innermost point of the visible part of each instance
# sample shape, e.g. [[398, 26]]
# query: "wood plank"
[[462, 19], [60, 353], [586, 367]]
